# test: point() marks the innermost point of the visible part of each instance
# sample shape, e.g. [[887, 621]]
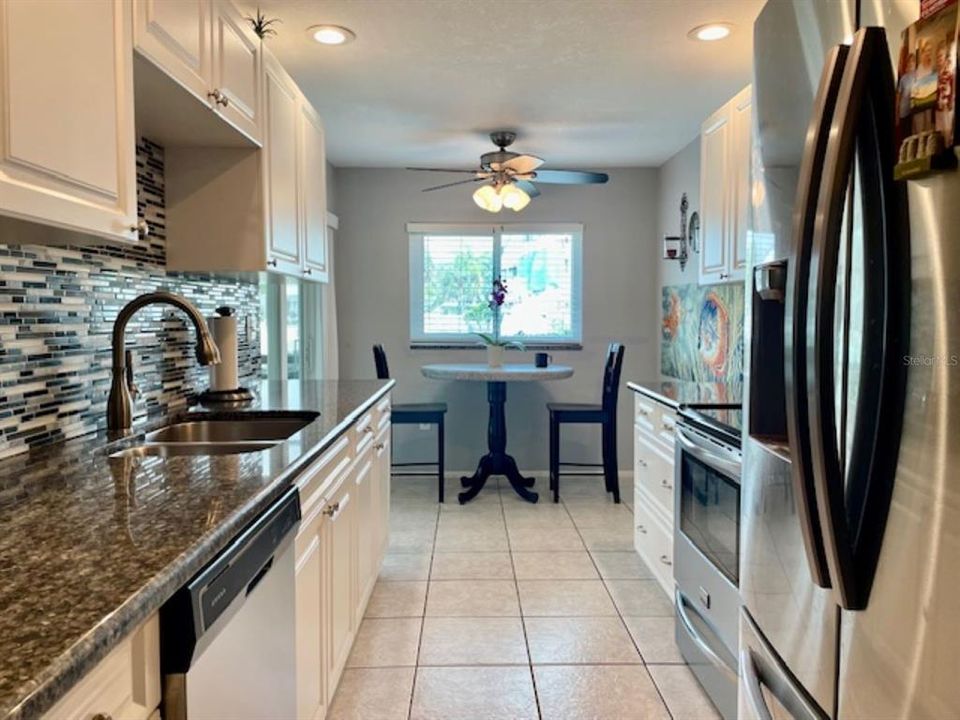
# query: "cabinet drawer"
[[655, 419], [125, 684], [314, 483], [653, 541], [654, 473]]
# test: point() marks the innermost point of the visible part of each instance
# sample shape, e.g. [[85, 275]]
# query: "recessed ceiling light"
[[712, 31], [331, 34]]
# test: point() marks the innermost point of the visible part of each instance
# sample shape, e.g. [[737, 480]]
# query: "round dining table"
[[496, 461]]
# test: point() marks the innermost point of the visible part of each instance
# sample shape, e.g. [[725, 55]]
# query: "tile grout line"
[[523, 619], [643, 660]]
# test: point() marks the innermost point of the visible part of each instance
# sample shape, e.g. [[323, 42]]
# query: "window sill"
[[529, 347]]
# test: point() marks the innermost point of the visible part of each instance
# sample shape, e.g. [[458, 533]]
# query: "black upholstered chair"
[[604, 414], [414, 414]]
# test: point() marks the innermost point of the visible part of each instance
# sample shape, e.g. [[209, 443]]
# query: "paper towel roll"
[[224, 330]]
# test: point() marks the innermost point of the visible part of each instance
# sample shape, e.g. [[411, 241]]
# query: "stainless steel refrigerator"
[[850, 508]]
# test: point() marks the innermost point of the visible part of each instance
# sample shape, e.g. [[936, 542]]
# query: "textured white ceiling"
[[585, 83]]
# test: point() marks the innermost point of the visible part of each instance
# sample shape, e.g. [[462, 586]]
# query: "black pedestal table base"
[[497, 462]]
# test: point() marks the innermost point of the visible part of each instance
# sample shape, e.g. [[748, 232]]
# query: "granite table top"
[[505, 373], [675, 393], [91, 546]]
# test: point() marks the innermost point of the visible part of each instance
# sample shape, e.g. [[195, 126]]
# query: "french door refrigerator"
[[850, 509]]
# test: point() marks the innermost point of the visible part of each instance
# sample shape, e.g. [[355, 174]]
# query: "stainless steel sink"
[[173, 449], [274, 428]]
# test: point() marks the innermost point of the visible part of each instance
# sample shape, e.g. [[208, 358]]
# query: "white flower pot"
[[495, 355]]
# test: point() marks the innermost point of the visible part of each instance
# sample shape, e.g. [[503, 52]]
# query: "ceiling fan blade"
[[522, 164], [528, 187], [570, 177], [446, 170], [451, 184]]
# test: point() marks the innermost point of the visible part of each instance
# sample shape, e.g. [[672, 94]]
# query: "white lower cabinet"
[[311, 683], [654, 494], [124, 685]]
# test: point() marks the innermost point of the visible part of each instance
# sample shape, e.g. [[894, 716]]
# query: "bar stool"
[[414, 414], [604, 414]]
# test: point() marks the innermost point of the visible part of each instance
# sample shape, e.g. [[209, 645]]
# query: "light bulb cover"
[[331, 34], [487, 198], [514, 197], [711, 31]]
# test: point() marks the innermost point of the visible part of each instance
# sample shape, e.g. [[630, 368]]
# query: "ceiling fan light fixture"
[[711, 31], [331, 34], [487, 198], [514, 197]]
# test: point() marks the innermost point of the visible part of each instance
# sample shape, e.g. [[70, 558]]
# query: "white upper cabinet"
[[279, 165], [236, 69], [67, 139], [175, 35], [313, 193], [725, 191], [209, 49]]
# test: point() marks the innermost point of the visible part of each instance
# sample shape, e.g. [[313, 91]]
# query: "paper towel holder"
[[233, 397]]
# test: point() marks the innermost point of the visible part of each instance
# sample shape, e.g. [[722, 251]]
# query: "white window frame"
[[416, 233]]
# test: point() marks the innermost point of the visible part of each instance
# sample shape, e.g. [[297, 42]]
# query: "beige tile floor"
[[501, 609]]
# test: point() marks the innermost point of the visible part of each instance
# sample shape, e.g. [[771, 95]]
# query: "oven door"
[[708, 503]]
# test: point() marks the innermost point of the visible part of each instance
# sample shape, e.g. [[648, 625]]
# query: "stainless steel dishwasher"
[[227, 637]]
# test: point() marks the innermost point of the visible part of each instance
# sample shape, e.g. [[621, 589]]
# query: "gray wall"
[[620, 273], [680, 174]]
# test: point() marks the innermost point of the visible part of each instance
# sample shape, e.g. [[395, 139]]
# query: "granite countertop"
[[92, 546], [688, 392]]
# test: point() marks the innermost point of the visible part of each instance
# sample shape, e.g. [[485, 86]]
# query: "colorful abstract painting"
[[702, 333]]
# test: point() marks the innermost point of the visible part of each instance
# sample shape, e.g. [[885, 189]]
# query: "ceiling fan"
[[508, 176]]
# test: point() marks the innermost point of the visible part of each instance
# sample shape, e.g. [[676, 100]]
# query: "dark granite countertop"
[[688, 392], [90, 547]]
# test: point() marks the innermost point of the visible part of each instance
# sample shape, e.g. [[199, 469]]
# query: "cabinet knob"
[[331, 510], [142, 228], [272, 263], [642, 529], [666, 485], [665, 560]]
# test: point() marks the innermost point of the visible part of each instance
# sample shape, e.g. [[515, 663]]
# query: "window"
[[290, 328], [452, 269]]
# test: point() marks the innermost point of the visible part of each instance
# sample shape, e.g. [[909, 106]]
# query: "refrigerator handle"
[[853, 492], [795, 313], [751, 679]]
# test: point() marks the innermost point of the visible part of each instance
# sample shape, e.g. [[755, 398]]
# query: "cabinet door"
[[313, 193], [67, 142], [236, 70], [309, 621], [280, 169], [367, 522], [339, 581], [714, 180], [740, 146], [383, 449], [175, 36]]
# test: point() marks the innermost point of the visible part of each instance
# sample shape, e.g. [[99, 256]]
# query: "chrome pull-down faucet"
[[119, 405]]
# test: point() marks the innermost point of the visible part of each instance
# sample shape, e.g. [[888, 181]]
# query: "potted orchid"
[[496, 346]]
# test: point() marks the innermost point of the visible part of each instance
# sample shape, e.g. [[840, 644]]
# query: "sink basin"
[[183, 449], [273, 428]]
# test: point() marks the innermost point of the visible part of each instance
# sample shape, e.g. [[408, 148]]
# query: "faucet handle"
[[131, 385]]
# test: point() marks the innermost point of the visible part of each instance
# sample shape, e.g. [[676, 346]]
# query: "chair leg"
[[610, 470], [440, 460], [555, 459]]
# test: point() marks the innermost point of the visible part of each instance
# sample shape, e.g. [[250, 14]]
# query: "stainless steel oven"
[[707, 549]]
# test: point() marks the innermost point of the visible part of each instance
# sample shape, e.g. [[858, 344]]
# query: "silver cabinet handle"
[[641, 462], [642, 529], [666, 485], [142, 228], [102, 716], [379, 446], [724, 276], [368, 429], [272, 263], [218, 98], [307, 271], [331, 510], [665, 560]]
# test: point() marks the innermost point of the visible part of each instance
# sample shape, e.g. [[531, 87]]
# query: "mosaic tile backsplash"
[[702, 333], [57, 307]]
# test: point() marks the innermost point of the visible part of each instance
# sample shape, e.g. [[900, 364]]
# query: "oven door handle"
[[697, 638], [691, 444]]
